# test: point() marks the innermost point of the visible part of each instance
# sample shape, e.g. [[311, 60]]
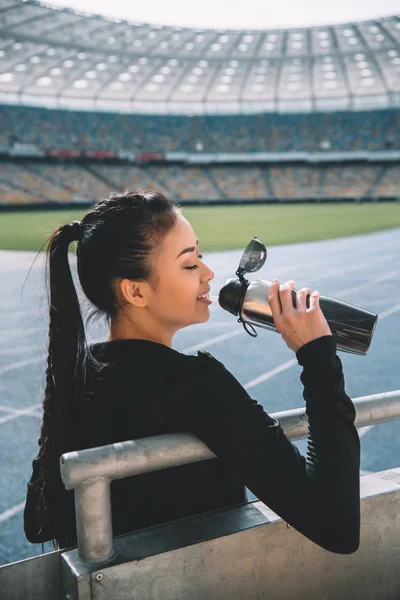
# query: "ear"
[[134, 292]]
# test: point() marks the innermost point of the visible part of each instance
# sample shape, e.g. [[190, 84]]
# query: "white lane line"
[[389, 311], [214, 340], [363, 430], [270, 374], [384, 277], [10, 409], [20, 363], [28, 412], [14, 510]]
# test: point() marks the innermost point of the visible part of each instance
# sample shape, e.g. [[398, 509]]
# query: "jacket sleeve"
[[33, 531], [318, 495]]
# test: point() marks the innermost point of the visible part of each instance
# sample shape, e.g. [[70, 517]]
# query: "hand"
[[299, 325]]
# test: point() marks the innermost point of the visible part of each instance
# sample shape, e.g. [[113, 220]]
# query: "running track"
[[363, 270]]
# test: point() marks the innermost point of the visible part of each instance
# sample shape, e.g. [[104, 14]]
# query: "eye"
[[194, 266]]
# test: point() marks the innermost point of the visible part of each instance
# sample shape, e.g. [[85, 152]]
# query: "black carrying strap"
[[245, 324]]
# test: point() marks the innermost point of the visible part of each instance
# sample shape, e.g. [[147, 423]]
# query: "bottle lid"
[[231, 295]]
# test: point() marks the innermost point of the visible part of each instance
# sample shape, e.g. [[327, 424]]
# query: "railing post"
[[93, 520]]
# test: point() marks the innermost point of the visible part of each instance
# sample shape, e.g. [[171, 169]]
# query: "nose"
[[210, 273]]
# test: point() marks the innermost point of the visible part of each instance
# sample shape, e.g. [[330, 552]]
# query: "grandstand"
[[312, 132], [92, 105], [29, 182]]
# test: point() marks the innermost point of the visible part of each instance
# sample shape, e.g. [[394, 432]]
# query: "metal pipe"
[[93, 520], [374, 409], [89, 472], [133, 457]]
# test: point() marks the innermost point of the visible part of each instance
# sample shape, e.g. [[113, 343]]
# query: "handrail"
[[89, 472]]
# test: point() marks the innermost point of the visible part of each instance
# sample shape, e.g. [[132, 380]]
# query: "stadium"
[[288, 134], [91, 103]]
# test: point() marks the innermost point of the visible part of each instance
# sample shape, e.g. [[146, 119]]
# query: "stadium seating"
[[28, 180], [270, 132], [389, 184], [40, 182]]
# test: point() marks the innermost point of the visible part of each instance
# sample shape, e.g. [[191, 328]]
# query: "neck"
[[127, 330]]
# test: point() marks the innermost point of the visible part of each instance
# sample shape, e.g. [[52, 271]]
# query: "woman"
[[138, 264]]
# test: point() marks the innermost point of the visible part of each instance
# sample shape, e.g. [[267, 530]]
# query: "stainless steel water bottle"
[[351, 326]]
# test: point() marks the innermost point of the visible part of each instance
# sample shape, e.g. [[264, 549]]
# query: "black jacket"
[[148, 389]]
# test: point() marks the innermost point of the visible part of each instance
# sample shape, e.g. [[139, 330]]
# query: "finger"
[[301, 300], [273, 299], [314, 299], [285, 294]]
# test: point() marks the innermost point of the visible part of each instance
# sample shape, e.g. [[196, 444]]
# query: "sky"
[[226, 14]]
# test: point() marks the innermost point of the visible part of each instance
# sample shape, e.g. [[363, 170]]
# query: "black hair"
[[120, 236]]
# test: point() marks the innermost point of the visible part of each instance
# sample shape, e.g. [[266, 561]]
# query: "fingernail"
[[275, 280]]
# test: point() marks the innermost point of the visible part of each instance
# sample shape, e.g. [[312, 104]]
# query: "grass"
[[227, 227]]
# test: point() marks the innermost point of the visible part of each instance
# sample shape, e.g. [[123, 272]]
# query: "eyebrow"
[[191, 249]]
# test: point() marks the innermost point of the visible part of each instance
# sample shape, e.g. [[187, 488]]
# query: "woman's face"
[[158, 314], [182, 277]]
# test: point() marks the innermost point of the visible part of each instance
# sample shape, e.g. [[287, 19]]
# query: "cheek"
[[180, 287], [190, 288]]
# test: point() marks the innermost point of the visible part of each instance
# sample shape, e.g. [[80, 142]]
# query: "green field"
[[228, 227]]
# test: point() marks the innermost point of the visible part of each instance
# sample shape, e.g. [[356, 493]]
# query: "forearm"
[[332, 469]]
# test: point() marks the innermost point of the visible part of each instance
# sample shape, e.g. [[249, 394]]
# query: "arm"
[[318, 495]]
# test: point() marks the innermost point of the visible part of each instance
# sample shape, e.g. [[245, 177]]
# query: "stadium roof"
[[63, 58]]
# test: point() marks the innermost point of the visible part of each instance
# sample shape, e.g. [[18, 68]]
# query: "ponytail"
[[65, 364]]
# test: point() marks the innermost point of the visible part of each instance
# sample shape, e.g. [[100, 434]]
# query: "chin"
[[207, 315], [203, 318]]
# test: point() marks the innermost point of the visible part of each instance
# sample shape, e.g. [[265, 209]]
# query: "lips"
[[205, 292]]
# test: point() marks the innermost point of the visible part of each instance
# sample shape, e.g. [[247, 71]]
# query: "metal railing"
[[90, 472]]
